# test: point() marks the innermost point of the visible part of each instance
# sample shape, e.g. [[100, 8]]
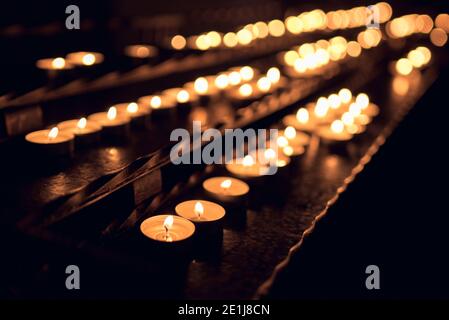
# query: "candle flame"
[[234, 78], [245, 90], [199, 209], [247, 73], [88, 59], [53, 133], [334, 101], [201, 85], [269, 154], [362, 100], [58, 63], [321, 107], [290, 133], [132, 107], [347, 118], [82, 123], [226, 184], [282, 141], [264, 84], [221, 81], [112, 113], [302, 115], [337, 126], [345, 95], [288, 150], [155, 102], [248, 161], [355, 109], [182, 96], [168, 222], [274, 75]]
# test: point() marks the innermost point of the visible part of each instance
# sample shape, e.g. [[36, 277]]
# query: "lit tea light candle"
[[84, 58], [141, 51], [221, 81], [51, 142], [113, 123], [293, 151], [295, 138], [321, 110], [84, 131], [368, 108], [301, 121], [167, 228], [226, 189], [133, 109], [263, 85], [159, 105], [180, 96], [274, 75], [200, 211], [247, 168], [335, 132], [234, 78], [345, 95], [58, 63]]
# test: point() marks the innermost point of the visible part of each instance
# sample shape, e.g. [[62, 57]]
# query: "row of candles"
[[305, 22], [336, 118], [71, 60], [237, 83], [415, 59]]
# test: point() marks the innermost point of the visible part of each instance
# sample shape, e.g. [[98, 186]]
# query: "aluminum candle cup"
[[113, 123], [167, 235], [51, 142], [226, 189], [206, 215], [138, 113], [86, 132]]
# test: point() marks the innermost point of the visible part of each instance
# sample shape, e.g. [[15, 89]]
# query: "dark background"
[[395, 213]]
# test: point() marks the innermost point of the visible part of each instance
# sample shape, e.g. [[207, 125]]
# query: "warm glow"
[[355, 109], [426, 52], [132, 107], [82, 123], [201, 85], [247, 73], [262, 29], [58, 63], [244, 37], [178, 42], [345, 95], [294, 24], [234, 78], [288, 151], [88, 59], [334, 101], [230, 40], [274, 75], [246, 90], [282, 142], [290, 57], [362, 100], [214, 38], [248, 161], [53, 133], [203, 42], [321, 107], [226, 184], [302, 115], [353, 49], [347, 118], [337, 126], [155, 102], [198, 209], [112, 113], [417, 58], [269, 154], [438, 37], [168, 222], [221, 81], [290, 133], [264, 84], [404, 66], [182, 96], [442, 21], [276, 28]]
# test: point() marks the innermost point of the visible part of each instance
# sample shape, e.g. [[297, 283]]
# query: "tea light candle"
[[226, 189], [295, 138], [141, 51], [84, 131], [52, 142], [49, 64], [137, 112], [113, 123], [180, 96], [159, 105], [247, 168], [84, 58], [335, 132], [200, 211], [301, 121], [167, 228]]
